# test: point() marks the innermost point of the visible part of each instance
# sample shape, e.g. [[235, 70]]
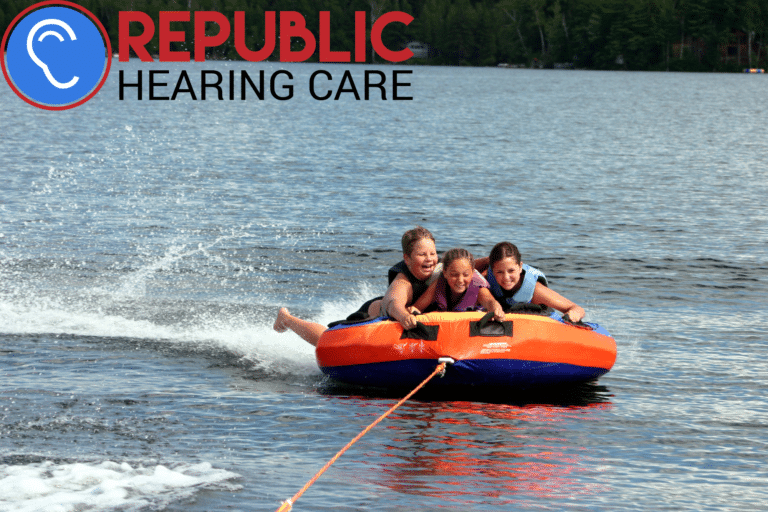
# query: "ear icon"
[[37, 60]]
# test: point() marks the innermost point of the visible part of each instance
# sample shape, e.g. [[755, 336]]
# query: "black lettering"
[[312, 84], [289, 87], [396, 84], [183, 76], [259, 92], [152, 84], [380, 84], [123, 85], [347, 75], [216, 85]]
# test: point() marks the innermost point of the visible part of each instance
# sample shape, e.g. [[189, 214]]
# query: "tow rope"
[[440, 369]]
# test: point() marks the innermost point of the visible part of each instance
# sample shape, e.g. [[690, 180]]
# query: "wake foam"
[[246, 334], [105, 486]]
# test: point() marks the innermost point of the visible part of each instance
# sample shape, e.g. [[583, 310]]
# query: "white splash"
[[104, 486], [249, 337]]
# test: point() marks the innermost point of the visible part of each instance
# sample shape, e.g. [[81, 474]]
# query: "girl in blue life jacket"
[[459, 288], [511, 281]]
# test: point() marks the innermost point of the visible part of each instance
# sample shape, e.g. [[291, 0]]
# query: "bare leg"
[[373, 309], [309, 331]]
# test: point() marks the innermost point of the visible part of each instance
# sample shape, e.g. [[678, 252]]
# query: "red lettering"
[[203, 41], [138, 43], [378, 28], [326, 55], [360, 36], [167, 36], [293, 24], [269, 37]]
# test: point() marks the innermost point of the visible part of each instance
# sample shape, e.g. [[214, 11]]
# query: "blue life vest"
[[468, 301], [528, 277]]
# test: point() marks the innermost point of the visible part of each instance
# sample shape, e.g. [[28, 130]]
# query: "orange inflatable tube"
[[524, 349]]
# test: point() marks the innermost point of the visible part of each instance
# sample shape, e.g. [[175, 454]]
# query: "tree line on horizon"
[[672, 35]]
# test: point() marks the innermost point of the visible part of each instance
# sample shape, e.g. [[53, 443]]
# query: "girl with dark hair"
[[511, 281]]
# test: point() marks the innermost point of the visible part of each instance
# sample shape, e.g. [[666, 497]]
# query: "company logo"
[[57, 55]]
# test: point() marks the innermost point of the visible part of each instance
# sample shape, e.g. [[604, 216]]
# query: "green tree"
[[512, 11], [752, 21]]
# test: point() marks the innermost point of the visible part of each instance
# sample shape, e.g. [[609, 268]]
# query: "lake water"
[[145, 247]]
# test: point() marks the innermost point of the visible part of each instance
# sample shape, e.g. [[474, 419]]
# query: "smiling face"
[[422, 260], [459, 275], [507, 273]]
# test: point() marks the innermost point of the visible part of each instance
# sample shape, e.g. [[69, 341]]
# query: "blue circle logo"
[[57, 56]]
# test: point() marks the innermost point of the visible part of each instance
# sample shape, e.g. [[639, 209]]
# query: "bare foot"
[[280, 320]]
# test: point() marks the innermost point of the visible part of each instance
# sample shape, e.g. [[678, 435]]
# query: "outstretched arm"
[[549, 297], [395, 301], [489, 303]]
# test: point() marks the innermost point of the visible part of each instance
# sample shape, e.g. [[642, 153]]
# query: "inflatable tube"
[[524, 350]]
